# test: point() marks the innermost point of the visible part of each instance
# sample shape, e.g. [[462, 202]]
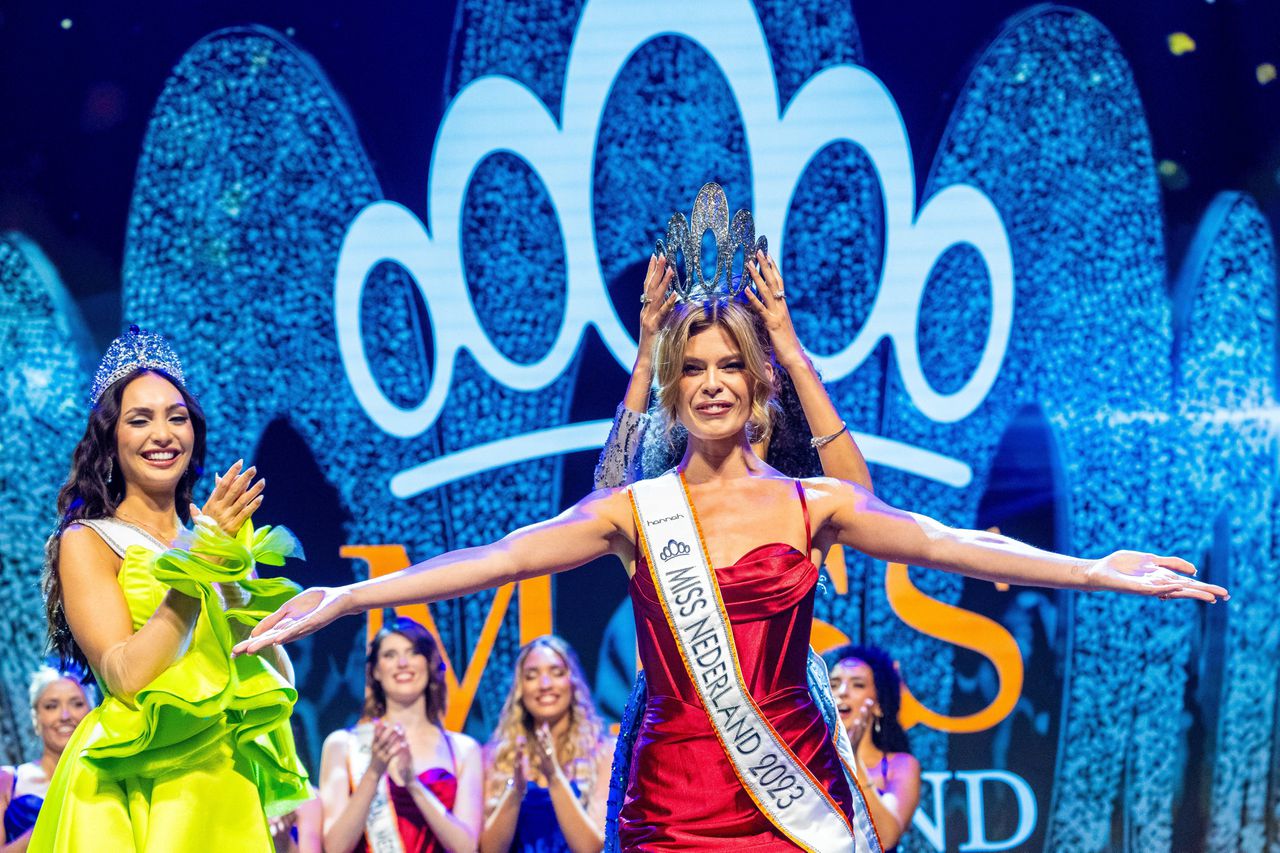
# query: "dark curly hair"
[[436, 692], [891, 737], [95, 487]]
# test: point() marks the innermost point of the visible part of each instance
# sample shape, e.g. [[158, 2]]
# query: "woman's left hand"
[[769, 299], [546, 754], [1141, 573], [400, 767], [235, 498]]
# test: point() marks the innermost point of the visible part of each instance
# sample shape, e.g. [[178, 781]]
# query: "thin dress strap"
[[804, 507], [453, 758]]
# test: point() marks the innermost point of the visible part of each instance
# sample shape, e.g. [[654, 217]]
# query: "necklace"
[[146, 528]]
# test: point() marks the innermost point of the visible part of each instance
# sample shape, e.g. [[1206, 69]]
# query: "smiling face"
[[58, 709], [546, 689], [852, 684], [154, 434], [715, 388], [715, 372], [400, 669]]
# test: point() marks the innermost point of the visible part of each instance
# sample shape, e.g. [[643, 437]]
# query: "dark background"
[[75, 100], [78, 81]]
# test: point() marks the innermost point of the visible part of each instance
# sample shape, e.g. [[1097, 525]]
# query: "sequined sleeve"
[[620, 458]]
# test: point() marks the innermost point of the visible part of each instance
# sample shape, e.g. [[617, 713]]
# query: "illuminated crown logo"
[[674, 549], [684, 237], [134, 350]]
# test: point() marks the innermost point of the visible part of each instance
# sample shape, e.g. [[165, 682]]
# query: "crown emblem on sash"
[[684, 238], [674, 549]]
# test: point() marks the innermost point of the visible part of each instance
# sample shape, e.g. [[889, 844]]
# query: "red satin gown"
[[683, 793]]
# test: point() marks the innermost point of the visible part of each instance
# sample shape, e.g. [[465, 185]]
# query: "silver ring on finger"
[[644, 299], [778, 294]]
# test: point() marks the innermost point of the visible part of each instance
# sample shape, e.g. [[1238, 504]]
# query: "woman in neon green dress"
[[189, 750]]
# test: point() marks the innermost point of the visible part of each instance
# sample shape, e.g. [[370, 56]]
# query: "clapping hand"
[[388, 751], [545, 752], [520, 771], [859, 726], [235, 498], [400, 768]]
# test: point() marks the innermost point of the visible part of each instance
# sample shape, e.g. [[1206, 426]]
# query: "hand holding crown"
[[769, 299], [656, 301]]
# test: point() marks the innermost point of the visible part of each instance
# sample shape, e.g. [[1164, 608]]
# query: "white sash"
[[820, 690], [779, 783], [121, 535], [381, 829]]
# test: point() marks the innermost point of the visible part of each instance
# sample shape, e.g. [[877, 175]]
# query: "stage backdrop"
[[996, 327]]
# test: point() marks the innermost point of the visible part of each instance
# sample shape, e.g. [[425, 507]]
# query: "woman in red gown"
[[715, 380], [682, 793]]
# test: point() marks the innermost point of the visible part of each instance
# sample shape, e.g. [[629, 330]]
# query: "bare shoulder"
[[903, 764], [822, 492], [464, 746], [611, 503], [611, 506], [79, 543], [337, 743]]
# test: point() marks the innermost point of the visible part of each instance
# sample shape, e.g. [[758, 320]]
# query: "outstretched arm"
[[840, 456], [597, 525], [854, 517]]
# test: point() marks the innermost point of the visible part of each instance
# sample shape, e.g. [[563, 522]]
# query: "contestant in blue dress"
[[59, 701], [547, 766]]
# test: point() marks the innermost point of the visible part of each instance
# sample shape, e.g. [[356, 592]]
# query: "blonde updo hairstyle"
[[46, 676], [744, 328]]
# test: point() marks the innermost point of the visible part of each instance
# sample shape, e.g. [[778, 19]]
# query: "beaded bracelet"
[[820, 441]]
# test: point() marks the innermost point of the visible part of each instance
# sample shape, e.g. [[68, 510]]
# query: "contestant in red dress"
[[715, 380], [768, 594]]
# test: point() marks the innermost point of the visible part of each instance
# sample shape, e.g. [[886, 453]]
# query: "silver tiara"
[[136, 349], [684, 237]]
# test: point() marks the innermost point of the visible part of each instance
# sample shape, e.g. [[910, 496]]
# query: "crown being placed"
[[684, 237], [135, 350], [673, 549]]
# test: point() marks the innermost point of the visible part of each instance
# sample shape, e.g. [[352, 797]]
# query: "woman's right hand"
[[389, 745], [656, 303], [305, 613], [520, 771]]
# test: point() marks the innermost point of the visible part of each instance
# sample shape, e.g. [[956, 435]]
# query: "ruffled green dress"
[[197, 759]]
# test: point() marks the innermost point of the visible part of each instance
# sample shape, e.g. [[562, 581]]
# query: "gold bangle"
[[820, 441]]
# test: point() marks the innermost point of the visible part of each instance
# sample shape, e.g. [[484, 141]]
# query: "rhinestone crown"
[[136, 349], [684, 238]]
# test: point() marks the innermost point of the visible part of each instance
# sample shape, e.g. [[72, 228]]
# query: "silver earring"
[[111, 469], [875, 727]]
